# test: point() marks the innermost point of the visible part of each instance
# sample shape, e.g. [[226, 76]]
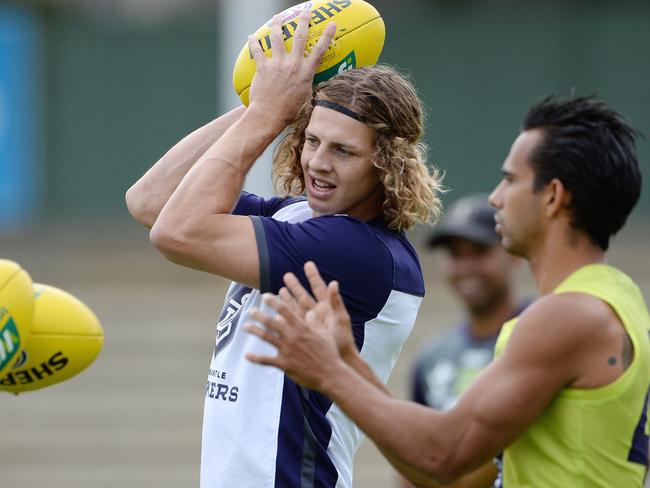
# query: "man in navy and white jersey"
[[354, 149]]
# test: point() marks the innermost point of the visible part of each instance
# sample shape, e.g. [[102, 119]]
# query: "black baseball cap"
[[471, 218]]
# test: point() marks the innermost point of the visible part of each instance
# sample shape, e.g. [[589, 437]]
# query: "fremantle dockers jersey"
[[261, 430]]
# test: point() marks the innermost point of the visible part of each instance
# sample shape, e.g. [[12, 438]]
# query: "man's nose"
[[495, 196], [320, 161]]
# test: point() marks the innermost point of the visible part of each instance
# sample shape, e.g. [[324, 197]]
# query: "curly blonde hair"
[[388, 103]]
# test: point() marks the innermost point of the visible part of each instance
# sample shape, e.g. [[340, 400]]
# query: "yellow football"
[[66, 337], [16, 312], [358, 41]]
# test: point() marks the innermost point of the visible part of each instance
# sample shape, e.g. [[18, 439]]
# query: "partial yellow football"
[[16, 312], [66, 338], [358, 41]]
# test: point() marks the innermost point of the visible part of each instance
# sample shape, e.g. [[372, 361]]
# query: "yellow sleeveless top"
[[591, 438]]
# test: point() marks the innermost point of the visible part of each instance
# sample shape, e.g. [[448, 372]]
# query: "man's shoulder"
[[356, 253], [556, 312], [341, 227], [558, 326], [381, 250], [362, 240], [289, 209], [282, 208]]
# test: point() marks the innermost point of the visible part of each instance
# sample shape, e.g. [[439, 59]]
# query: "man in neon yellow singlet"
[[566, 398]]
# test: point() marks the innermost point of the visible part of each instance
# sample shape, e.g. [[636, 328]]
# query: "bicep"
[[512, 392], [496, 410], [220, 244]]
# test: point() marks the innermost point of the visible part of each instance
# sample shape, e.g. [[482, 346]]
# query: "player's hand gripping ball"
[[16, 312], [358, 41], [66, 337]]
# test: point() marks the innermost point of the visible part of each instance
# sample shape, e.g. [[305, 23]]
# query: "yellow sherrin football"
[[66, 337], [16, 312], [358, 41]]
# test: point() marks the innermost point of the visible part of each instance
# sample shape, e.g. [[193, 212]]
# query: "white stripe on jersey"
[[382, 343], [256, 413]]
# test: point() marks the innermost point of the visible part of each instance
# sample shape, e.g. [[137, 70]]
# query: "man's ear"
[[556, 197]]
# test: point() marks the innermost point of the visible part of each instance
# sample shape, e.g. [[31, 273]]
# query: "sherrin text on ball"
[[358, 41], [65, 339]]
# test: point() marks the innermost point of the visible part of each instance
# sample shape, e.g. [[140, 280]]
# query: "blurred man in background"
[[479, 272]]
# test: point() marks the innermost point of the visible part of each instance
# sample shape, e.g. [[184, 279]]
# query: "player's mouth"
[[320, 188]]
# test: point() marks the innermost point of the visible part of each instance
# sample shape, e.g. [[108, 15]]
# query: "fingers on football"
[[321, 46], [318, 286], [300, 36], [263, 334], [277, 38], [301, 295], [256, 49]]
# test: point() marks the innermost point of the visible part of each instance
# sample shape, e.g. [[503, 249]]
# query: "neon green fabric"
[[590, 438]]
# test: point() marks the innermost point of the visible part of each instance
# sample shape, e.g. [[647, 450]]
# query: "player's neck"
[[487, 323], [561, 255]]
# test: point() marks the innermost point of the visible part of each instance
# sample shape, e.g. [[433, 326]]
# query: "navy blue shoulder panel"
[[250, 204], [407, 273]]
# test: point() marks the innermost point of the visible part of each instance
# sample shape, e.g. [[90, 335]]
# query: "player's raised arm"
[[195, 228], [146, 198]]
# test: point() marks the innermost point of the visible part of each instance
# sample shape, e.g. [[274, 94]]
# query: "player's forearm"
[[412, 437], [414, 476], [356, 362], [146, 198], [212, 186], [410, 477]]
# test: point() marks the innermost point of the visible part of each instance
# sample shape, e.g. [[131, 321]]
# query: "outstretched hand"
[[328, 306], [311, 335], [283, 82]]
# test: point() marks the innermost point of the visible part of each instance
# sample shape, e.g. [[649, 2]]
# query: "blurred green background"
[[115, 92], [93, 92]]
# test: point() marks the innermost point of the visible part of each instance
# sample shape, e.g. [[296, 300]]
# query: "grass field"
[[133, 419]]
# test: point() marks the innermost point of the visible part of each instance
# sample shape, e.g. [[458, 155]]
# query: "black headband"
[[338, 108]]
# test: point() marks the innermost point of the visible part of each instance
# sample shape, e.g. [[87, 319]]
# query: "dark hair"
[[591, 150]]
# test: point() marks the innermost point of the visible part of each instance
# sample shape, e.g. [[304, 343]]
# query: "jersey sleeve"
[[250, 204], [343, 248]]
